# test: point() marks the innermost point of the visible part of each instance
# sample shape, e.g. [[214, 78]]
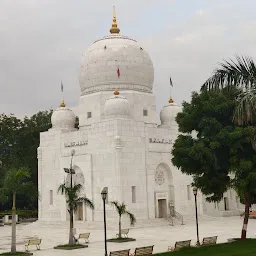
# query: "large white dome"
[[114, 62]]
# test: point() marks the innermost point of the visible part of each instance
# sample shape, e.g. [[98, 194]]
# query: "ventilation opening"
[[51, 197], [145, 112], [89, 115], [133, 194]]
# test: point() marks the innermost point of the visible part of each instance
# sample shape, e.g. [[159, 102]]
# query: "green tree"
[[19, 140], [121, 210], [37, 123], [220, 154], [16, 182], [239, 74], [73, 198]]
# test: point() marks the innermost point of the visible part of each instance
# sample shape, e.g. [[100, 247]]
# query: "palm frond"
[[132, 217], [15, 179], [245, 111], [73, 196], [241, 73], [77, 188], [62, 189], [116, 204], [86, 201]]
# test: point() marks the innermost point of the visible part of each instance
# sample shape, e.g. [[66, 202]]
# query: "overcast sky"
[[41, 42]]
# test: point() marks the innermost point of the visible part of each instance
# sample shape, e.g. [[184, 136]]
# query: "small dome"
[[168, 114], [63, 118], [116, 106]]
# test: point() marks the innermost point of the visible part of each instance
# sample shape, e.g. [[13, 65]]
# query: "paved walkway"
[[154, 232]]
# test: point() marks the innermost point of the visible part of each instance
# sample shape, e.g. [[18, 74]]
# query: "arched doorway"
[[164, 192]]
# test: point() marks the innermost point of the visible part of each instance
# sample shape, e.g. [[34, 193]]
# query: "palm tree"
[[121, 209], [16, 182], [240, 74], [73, 198]]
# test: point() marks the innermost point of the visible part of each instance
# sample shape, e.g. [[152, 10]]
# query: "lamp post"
[[104, 194], [197, 232], [71, 171]]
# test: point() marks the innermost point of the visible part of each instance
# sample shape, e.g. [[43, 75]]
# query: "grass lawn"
[[17, 253], [121, 240], [70, 247], [239, 248]]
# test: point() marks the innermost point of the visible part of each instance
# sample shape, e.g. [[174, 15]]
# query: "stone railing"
[[177, 216]]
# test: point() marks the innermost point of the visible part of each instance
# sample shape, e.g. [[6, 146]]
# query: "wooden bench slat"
[[179, 245], [209, 240], [120, 253], [146, 250], [35, 242], [123, 232], [84, 236]]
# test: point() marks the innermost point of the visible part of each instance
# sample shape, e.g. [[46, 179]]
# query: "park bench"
[[147, 250], [35, 242], [120, 253], [209, 240], [179, 245], [124, 232], [84, 236], [252, 215], [1, 222]]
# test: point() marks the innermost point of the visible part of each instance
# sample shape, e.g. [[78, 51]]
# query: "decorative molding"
[[39, 153], [117, 36], [118, 143], [160, 141], [159, 177], [113, 86], [75, 143]]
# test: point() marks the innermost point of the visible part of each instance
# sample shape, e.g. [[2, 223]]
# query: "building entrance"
[[162, 208], [226, 204]]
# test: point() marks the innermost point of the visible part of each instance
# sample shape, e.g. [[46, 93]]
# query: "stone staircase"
[[113, 224]]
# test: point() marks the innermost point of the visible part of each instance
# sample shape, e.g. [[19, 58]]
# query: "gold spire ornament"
[[62, 105], [116, 92], [114, 29], [171, 100]]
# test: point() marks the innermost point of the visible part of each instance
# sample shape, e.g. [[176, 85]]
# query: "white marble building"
[[121, 144]]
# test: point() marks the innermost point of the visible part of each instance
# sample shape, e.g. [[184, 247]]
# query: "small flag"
[[118, 72], [61, 86], [171, 84]]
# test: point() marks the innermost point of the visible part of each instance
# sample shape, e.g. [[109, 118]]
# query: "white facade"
[[121, 143]]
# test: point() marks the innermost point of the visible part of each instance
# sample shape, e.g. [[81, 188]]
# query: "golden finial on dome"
[[114, 29], [116, 92], [171, 100], [62, 105]]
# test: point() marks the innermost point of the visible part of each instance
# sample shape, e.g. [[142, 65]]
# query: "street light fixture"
[[197, 232], [104, 194]]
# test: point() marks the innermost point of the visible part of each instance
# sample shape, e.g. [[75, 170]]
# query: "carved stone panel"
[[159, 177]]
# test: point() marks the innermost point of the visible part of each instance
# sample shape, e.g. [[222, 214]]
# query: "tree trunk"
[[71, 226], [13, 247], [119, 225], [246, 216]]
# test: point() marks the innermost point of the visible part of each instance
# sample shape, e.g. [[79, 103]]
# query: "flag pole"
[[61, 88], [171, 85]]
